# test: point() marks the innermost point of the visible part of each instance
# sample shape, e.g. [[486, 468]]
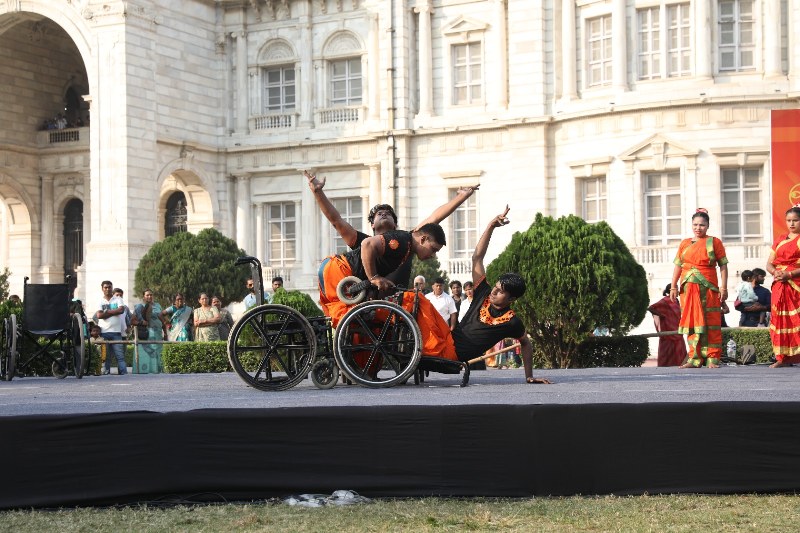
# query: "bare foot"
[[543, 381], [777, 364], [687, 364], [713, 365]]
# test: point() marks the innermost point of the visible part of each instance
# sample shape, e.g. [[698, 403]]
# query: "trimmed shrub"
[[578, 276], [195, 357], [297, 300]]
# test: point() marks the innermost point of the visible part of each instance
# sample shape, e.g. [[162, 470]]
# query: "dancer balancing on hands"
[[701, 296], [784, 265]]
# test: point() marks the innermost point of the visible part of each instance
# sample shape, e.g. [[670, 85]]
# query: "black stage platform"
[[117, 439]]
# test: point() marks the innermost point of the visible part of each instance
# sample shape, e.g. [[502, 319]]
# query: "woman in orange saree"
[[701, 296], [784, 265]]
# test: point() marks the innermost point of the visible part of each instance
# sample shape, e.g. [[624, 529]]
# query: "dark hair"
[[468, 283], [456, 283], [277, 278], [667, 289], [434, 230], [117, 289], [440, 281], [794, 209], [513, 284], [381, 207], [747, 275], [178, 294], [106, 282], [702, 213], [759, 272]]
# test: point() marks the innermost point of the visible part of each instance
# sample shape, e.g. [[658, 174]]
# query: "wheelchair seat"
[[46, 309]]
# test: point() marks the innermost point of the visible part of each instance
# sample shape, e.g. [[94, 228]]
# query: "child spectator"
[[126, 316], [746, 295]]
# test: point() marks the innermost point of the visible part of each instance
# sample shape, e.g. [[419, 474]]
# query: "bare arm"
[[526, 350], [478, 269], [453, 321], [723, 287], [445, 210], [371, 249], [345, 230], [676, 274]]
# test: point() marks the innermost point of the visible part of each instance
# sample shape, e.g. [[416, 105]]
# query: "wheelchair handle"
[[360, 286], [247, 259]]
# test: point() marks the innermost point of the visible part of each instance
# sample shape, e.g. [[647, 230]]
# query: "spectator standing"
[[455, 293], [148, 315], [466, 301], [443, 303], [109, 319], [784, 265], [250, 300], [225, 319], [666, 316], [745, 295], [277, 284], [420, 284], [756, 314], [206, 320], [178, 314], [701, 296]]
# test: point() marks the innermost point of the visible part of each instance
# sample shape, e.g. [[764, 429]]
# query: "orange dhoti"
[[701, 322], [436, 338]]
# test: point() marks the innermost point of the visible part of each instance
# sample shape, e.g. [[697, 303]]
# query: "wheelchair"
[[51, 322], [377, 343]]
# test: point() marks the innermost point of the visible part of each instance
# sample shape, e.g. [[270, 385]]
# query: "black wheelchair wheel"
[[8, 345], [60, 368], [324, 374], [272, 347], [378, 344], [78, 345]]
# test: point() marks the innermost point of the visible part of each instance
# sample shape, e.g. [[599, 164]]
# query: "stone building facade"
[[202, 113]]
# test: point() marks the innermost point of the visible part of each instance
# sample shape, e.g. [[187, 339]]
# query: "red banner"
[[785, 166]]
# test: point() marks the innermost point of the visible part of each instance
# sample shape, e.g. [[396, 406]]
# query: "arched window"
[[73, 239], [175, 221]]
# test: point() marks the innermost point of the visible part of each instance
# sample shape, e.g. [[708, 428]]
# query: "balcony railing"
[[273, 121], [269, 272], [458, 268], [68, 135], [736, 251], [339, 115]]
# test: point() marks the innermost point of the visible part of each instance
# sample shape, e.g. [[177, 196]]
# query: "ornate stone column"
[[260, 239], [243, 211], [568, 66], [772, 38], [375, 184], [702, 39], [242, 99], [425, 11], [499, 63], [307, 94], [373, 64], [619, 40]]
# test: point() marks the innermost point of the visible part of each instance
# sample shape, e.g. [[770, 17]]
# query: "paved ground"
[[174, 392]]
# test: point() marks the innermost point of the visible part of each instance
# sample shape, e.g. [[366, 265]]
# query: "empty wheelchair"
[[52, 327]]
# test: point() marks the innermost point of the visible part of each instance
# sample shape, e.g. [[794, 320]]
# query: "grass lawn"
[[684, 513]]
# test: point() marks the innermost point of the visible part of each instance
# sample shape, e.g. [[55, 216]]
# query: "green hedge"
[[605, 352], [195, 357], [758, 337]]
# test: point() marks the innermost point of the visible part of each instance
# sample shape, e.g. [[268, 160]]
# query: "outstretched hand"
[[500, 220], [313, 183], [468, 190]]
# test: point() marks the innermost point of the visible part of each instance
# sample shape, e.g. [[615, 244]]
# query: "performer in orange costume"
[[701, 296], [784, 265]]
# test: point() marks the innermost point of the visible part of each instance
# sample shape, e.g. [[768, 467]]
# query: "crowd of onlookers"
[[113, 320], [60, 122]]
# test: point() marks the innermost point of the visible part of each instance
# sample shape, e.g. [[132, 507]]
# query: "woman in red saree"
[[666, 316], [696, 267], [784, 265]]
